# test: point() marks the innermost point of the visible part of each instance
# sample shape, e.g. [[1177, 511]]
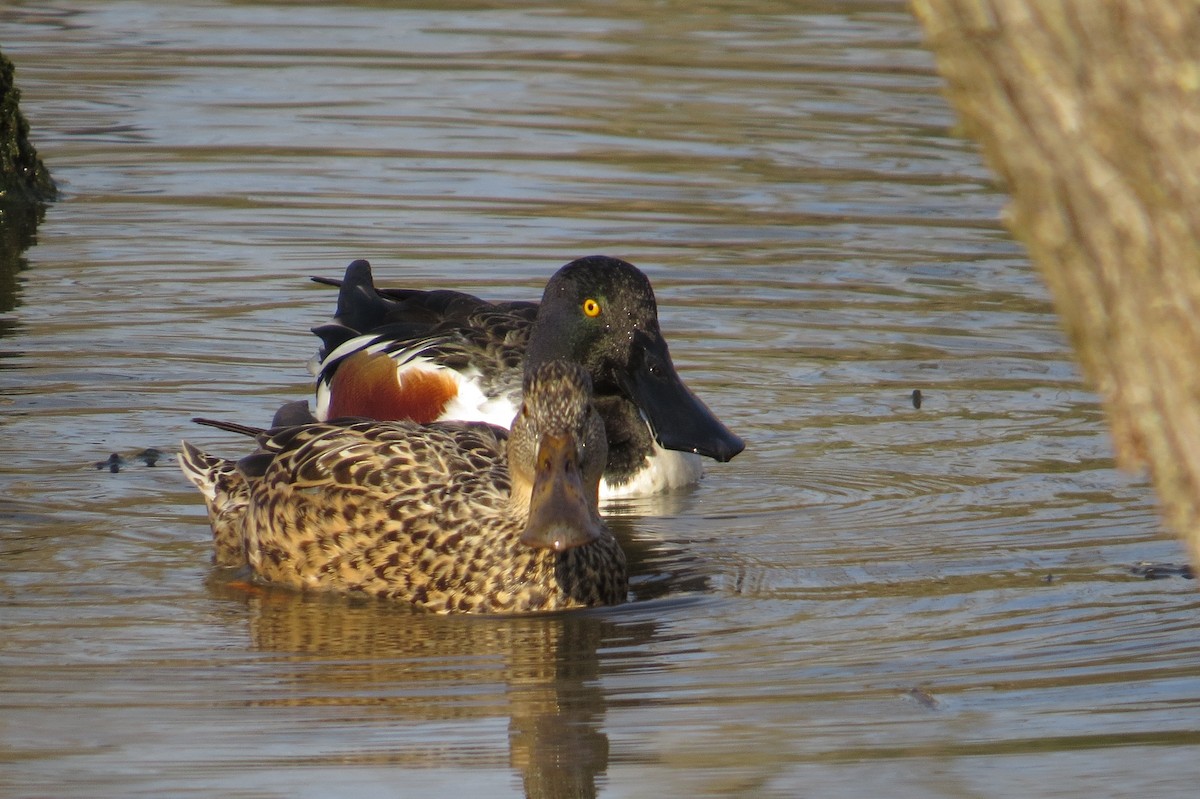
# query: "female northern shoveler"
[[436, 355], [452, 516]]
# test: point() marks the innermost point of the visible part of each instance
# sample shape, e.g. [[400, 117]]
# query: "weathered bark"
[[1089, 112]]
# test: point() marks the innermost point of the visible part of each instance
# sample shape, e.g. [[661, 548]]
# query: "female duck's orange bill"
[[561, 516]]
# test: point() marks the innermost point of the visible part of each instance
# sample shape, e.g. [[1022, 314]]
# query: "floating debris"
[[150, 456], [113, 463], [923, 698], [1161, 571]]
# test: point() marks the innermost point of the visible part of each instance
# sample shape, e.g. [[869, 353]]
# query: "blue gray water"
[[873, 598]]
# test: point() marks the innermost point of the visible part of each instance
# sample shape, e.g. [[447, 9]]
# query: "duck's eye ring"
[[591, 307]]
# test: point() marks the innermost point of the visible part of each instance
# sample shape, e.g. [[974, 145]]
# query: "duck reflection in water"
[[414, 672], [393, 665]]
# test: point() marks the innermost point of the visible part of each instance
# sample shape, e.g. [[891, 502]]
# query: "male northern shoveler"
[[451, 516], [435, 355]]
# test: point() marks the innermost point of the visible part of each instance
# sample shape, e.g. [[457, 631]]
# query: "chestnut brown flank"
[[366, 384]]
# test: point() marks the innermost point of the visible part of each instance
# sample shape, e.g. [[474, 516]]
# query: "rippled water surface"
[[873, 599]]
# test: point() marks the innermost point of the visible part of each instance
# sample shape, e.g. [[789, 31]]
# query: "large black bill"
[[680, 420]]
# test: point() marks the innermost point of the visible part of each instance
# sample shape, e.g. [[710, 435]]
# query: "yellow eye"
[[591, 307]]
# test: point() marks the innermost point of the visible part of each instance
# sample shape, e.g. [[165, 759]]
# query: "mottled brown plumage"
[[428, 514], [225, 496]]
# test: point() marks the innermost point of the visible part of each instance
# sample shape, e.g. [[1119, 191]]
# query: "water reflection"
[[396, 665], [400, 666], [18, 232]]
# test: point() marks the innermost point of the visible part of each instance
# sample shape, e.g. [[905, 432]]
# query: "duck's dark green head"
[[600, 312]]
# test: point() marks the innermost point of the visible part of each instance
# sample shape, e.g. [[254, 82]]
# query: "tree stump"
[[1089, 113]]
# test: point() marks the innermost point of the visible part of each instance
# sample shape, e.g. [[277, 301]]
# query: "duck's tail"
[[228, 427], [359, 308], [226, 495]]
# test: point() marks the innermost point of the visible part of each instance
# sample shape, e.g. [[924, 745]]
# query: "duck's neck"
[[545, 346]]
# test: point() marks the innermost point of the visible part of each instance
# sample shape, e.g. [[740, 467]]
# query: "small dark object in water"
[[916, 398], [113, 464], [1049, 578], [923, 698], [1161, 571], [149, 456]]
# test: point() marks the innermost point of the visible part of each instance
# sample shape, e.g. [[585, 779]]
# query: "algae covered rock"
[[23, 176], [25, 188]]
